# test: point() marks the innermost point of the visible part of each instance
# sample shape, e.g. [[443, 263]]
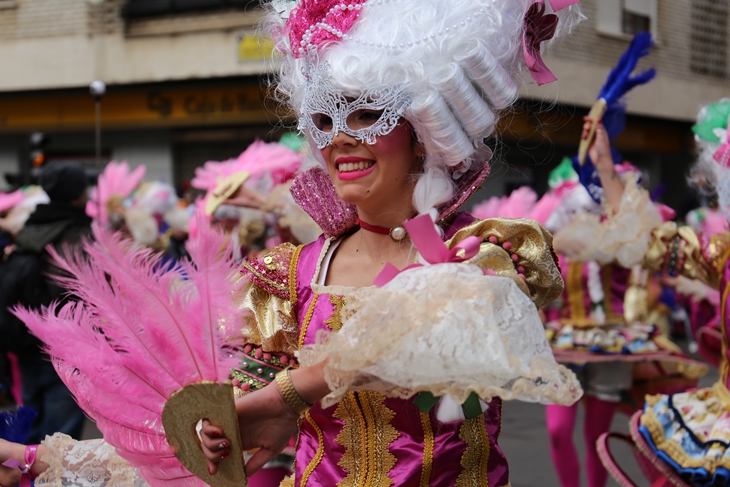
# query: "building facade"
[[186, 84]]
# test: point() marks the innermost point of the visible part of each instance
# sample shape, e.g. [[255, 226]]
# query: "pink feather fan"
[[115, 180], [140, 332], [260, 158], [9, 200]]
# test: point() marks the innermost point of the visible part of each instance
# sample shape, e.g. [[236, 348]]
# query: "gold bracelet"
[[290, 394]]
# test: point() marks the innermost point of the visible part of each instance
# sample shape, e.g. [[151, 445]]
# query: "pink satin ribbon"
[[540, 27], [427, 240], [722, 155], [27, 475]]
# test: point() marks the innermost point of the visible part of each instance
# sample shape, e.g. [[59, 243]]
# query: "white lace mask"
[[326, 111]]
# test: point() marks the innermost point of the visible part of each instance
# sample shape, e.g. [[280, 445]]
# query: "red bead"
[[493, 239], [521, 276], [245, 386], [507, 245], [247, 348], [515, 257], [521, 269], [267, 356], [259, 353], [284, 359], [235, 382]]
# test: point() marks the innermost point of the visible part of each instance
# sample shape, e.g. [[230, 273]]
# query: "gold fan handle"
[[596, 113], [182, 412]]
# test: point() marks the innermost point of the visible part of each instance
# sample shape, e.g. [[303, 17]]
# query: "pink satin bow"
[[540, 27], [424, 236], [722, 155]]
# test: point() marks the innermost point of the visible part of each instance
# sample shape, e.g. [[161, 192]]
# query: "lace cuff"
[[445, 329], [623, 238], [92, 463]]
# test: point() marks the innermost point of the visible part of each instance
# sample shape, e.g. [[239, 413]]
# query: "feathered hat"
[[115, 182], [447, 66], [712, 136]]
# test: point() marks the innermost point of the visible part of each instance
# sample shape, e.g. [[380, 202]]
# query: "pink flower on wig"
[[316, 22]]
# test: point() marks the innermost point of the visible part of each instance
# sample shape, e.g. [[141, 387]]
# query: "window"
[[626, 17], [144, 8], [709, 39]]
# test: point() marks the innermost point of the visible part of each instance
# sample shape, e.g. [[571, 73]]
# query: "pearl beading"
[[306, 44]]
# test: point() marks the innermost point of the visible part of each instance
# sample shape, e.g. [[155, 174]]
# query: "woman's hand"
[[246, 197], [266, 424]]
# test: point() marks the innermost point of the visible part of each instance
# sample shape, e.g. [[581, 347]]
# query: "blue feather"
[[15, 425], [619, 82]]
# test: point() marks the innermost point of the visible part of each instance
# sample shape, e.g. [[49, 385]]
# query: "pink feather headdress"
[[9, 200], [139, 333], [115, 180]]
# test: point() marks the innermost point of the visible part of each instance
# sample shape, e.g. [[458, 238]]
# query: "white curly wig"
[[460, 60]]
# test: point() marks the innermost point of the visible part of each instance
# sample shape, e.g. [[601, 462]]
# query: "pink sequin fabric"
[[315, 22], [314, 193]]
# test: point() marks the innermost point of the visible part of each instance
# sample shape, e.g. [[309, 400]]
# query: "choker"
[[397, 233]]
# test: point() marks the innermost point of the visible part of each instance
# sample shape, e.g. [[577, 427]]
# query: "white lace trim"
[[325, 257], [450, 330], [92, 463], [623, 237]]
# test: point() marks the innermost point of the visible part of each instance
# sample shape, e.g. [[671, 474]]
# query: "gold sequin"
[[428, 445], [319, 454], [576, 292], [335, 321], [366, 436], [307, 319], [475, 460]]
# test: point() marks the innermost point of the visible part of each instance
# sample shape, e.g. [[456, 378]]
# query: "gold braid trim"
[[576, 296], [428, 444], [366, 436], [606, 275], [335, 321], [379, 437], [319, 454], [674, 449], [307, 319], [352, 461], [475, 460], [293, 298]]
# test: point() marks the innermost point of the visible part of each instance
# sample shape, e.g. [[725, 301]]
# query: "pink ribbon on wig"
[[540, 27], [427, 240], [722, 155]]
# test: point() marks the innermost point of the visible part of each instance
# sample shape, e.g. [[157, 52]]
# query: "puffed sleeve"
[[455, 328], [269, 318], [519, 249], [680, 251], [622, 237]]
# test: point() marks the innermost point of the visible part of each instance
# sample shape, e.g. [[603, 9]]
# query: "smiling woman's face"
[[370, 175]]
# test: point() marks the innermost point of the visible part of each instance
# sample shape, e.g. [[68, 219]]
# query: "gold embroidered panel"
[[366, 436]]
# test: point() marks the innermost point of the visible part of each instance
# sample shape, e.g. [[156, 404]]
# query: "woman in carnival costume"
[[685, 436], [602, 329], [402, 382]]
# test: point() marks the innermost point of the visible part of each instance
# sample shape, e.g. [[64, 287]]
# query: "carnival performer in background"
[[685, 435], [397, 97], [601, 329]]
